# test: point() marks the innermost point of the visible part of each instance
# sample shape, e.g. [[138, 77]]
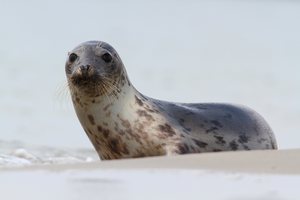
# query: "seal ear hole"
[[106, 57], [72, 57]]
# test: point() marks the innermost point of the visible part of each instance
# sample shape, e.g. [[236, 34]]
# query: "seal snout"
[[83, 74], [84, 70]]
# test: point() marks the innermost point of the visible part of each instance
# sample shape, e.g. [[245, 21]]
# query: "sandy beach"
[[270, 162], [230, 175]]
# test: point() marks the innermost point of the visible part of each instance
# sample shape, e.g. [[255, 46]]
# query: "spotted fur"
[[123, 123]]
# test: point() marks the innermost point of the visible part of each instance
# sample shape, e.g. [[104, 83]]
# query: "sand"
[[270, 161], [230, 175]]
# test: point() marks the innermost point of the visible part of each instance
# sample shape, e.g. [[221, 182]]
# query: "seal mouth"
[[84, 81], [87, 80]]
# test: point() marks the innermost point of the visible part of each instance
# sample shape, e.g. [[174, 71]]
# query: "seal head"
[[94, 68]]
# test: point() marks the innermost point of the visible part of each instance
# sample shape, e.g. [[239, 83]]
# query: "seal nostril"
[[85, 68]]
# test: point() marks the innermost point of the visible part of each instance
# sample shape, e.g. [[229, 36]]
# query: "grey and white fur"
[[123, 123]]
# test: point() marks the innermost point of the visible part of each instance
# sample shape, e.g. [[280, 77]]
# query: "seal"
[[123, 123]]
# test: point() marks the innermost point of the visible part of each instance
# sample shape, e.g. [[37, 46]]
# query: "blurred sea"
[[244, 52]]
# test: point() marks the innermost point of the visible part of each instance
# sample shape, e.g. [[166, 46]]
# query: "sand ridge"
[[267, 161]]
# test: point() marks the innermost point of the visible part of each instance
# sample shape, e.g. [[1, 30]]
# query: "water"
[[243, 52], [16, 154]]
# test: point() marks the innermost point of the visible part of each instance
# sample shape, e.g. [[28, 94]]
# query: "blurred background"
[[244, 52]]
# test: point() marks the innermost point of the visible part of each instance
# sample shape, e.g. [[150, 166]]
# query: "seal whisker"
[[62, 91], [112, 88], [71, 87], [62, 94], [112, 93], [105, 91], [110, 82]]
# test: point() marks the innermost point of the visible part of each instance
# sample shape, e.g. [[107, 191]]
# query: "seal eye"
[[72, 57], [106, 57]]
